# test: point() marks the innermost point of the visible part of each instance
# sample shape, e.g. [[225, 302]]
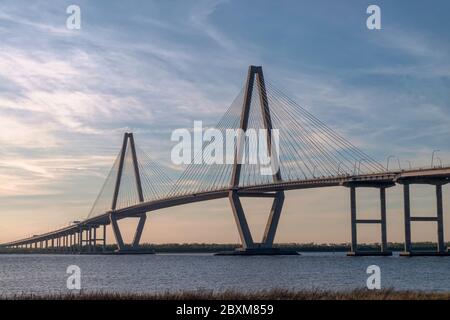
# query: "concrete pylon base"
[[258, 252], [424, 254], [134, 251], [369, 253]]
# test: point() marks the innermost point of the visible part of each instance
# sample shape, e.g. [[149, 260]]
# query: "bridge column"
[[249, 247], [274, 218], [440, 220], [354, 221], [104, 237], [94, 240], [121, 247], [138, 232], [384, 246], [241, 221], [89, 234], [116, 232], [407, 217], [86, 239], [437, 182], [80, 239], [354, 241]]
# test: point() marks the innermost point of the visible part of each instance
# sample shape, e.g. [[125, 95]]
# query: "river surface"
[[173, 272]]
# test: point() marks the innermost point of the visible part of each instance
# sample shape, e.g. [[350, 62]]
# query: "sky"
[[67, 96]]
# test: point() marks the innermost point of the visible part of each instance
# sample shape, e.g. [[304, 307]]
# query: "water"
[[173, 272]]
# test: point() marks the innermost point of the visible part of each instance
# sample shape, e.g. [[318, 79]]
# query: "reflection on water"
[[164, 272]]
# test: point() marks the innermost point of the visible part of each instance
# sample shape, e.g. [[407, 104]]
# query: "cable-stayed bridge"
[[303, 151]]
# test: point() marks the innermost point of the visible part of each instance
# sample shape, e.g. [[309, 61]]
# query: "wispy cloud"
[[200, 20], [41, 176], [423, 55], [65, 100]]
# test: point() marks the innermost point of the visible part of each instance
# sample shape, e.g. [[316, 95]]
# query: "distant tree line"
[[216, 247], [305, 247]]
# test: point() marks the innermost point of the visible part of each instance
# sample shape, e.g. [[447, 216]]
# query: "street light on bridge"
[[440, 161], [387, 161], [359, 164], [432, 156]]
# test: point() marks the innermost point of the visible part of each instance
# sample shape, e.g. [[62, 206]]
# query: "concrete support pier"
[[249, 247], [104, 238], [258, 251], [439, 218], [354, 221]]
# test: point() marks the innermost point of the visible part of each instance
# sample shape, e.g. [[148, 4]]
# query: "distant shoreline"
[[216, 247]]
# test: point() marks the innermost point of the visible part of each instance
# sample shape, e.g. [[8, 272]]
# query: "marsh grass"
[[273, 294]]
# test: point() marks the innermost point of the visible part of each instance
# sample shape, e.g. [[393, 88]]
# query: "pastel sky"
[[67, 97]]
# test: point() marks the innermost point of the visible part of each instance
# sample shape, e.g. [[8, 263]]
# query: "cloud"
[[67, 98], [422, 54], [41, 176], [16, 19], [200, 20], [413, 43], [16, 133], [429, 71]]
